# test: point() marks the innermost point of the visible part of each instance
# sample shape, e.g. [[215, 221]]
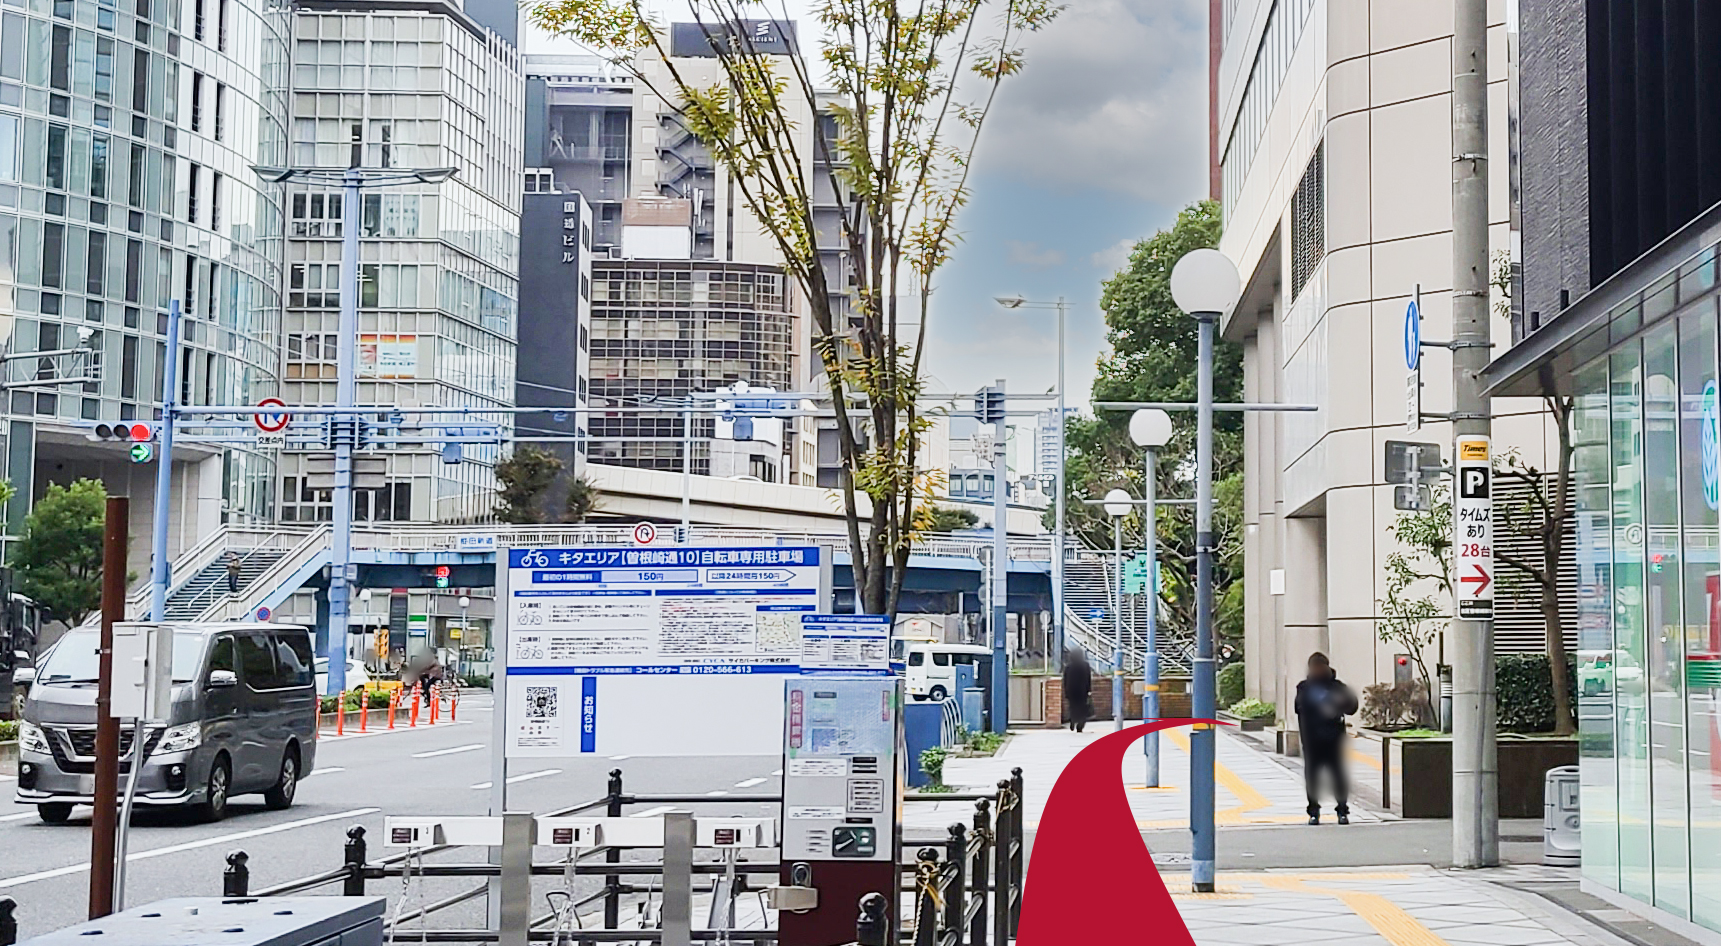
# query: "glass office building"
[[1638, 355]]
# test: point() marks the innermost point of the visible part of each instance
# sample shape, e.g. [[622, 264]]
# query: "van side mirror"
[[222, 679], [24, 676]]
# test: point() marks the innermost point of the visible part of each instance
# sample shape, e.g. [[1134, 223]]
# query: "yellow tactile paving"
[[1365, 758], [1388, 919], [1248, 798]]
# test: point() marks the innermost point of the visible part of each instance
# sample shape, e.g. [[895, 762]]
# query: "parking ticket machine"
[[842, 801]]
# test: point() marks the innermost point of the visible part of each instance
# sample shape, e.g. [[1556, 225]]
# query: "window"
[[215, 202], [1309, 222], [191, 199], [257, 664], [197, 21], [99, 167], [314, 285], [221, 656], [140, 81], [311, 356], [917, 659], [197, 101], [293, 657], [104, 69], [57, 157], [128, 367], [316, 214], [1266, 75], [53, 254], [942, 660], [220, 111], [60, 59], [221, 25], [96, 264]]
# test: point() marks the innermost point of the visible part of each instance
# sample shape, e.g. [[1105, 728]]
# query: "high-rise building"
[[554, 357], [688, 291], [1047, 448], [127, 135], [1334, 151], [1621, 181], [380, 86]]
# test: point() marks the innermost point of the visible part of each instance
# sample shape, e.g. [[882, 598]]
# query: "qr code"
[[540, 702]]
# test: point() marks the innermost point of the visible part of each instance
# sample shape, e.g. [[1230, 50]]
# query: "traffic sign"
[[1413, 334], [644, 533], [274, 441], [272, 422], [264, 613], [1413, 363], [142, 453], [1473, 530]]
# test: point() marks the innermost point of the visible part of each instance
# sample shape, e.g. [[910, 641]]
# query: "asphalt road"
[[358, 780]]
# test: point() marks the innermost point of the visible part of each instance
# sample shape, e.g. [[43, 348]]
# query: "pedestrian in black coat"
[[1078, 689], [1322, 705]]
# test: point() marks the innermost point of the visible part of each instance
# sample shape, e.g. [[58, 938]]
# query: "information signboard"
[[846, 643], [1473, 530], [653, 651]]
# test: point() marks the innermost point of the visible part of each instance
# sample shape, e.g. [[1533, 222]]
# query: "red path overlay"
[[1091, 878]]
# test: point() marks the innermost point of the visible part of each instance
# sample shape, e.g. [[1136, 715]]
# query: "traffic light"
[[989, 404], [142, 436], [441, 574]]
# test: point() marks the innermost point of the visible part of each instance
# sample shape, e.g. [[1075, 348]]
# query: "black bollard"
[[236, 880], [354, 885]]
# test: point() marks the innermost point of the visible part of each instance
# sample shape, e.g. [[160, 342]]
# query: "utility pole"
[[1475, 790], [994, 408], [103, 822], [161, 566]]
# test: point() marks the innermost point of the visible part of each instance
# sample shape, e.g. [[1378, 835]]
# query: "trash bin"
[[922, 729], [1562, 844], [974, 709]]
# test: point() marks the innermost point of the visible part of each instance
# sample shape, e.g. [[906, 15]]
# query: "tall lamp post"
[[343, 425], [465, 634], [1205, 284], [1058, 644], [1151, 430], [1117, 504]]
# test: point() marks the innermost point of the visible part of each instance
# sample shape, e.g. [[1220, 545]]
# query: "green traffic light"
[[142, 453]]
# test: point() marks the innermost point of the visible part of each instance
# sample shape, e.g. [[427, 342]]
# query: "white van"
[[932, 666]]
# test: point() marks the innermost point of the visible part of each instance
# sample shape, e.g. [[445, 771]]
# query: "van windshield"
[[77, 658]]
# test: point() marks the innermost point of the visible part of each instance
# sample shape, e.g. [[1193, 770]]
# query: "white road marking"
[[778, 772], [22, 879], [330, 770], [436, 752], [514, 779], [27, 814], [718, 793], [750, 782], [620, 758], [653, 812]]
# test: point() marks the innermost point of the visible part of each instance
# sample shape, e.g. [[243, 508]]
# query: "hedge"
[[1525, 691], [1230, 683]]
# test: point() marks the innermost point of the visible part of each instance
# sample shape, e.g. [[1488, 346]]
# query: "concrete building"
[[378, 86], [553, 361], [127, 135], [1620, 313], [1334, 151]]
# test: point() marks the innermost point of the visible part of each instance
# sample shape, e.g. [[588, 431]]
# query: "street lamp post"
[[1205, 284], [1058, 644], [1151, 430], [465, 633], [343, 424], [1117, 505]]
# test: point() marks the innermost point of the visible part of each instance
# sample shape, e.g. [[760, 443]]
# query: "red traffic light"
[[141, 433], [443, 571]]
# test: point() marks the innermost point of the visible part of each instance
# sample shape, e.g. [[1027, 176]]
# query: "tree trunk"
[[1565, 723]]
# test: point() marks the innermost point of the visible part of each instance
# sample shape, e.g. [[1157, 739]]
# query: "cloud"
[[1113, 97], [1031, 256], [1114, 257]]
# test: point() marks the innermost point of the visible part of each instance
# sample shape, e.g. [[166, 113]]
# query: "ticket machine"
[[842, 802]]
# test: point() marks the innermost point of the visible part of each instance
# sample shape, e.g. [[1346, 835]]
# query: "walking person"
[[1322, 704], [233, 569], [1078, 688]]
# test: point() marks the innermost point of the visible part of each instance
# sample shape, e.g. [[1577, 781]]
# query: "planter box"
[[1427, 779], [1246, 723], [9, 757]]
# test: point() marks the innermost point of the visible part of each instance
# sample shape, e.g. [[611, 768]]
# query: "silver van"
[[243, 720]]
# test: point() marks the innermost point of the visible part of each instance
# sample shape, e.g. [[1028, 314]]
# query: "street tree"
[[897, 98], [522, 480], [1154, 346], [945, 519], [58, 559]]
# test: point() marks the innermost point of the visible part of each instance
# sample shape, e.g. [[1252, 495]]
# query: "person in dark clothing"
[[1322, 705], [1078, 688], [233, 570]]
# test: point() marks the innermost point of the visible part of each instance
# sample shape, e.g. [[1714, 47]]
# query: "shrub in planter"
[[1391, 706], [1525, 691], [1251, 709], [1231, 683], [8, 730]]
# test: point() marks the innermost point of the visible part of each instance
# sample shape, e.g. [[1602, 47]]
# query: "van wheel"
[[281, 796], [54, 812], [214, 806], [938, 694]]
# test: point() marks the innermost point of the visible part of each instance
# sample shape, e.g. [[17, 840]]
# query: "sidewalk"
[[1253, 788]]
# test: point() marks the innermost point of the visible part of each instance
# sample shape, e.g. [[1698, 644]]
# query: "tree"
[[944, 519], [58, 559], [1544, 516], [523, 479], [581, 500], [908, 93], [1154, 346], [1412, 621]]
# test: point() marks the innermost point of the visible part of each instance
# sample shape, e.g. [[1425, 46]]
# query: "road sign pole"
[[1150, 660], [161, 568], [1413, 362]]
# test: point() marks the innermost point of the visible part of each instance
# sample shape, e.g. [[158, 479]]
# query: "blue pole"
[[1150, 660], [1117, 627], [344, 432], [1203, 749], [160, 569]]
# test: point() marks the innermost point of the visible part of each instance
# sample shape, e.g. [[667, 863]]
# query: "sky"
[[1096, 144]]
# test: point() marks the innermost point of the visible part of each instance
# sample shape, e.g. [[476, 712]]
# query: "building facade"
[[553, 369], [1621, 289], [127, 135], [1333, 153], [429, 87]]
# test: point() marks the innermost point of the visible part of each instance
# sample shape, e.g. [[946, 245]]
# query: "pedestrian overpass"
[[947, 573]]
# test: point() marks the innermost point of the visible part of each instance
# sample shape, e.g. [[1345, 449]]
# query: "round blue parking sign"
[[264, 614], [1412, 336]]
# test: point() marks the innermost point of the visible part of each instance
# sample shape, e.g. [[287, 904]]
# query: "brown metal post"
[[104, 822]]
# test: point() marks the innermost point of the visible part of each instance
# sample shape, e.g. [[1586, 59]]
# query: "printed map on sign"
[[680, 610]]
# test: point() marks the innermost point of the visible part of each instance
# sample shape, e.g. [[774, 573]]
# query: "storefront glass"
[[1593, 545], [1698, 532], [1630, 656]]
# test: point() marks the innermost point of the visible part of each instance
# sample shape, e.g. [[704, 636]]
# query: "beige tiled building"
[[1334, 140]]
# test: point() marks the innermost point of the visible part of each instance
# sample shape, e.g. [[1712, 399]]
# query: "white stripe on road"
[[188, 846], [27, 814], [620, 758], [436, 752], [329, 770], [778, 772], [716, 794], [515, 779], [653, 812], [750, 782]]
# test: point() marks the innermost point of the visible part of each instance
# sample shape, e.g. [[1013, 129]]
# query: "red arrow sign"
[[1481, 580]]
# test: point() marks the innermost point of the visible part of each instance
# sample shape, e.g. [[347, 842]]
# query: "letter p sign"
[[1473, 482]]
